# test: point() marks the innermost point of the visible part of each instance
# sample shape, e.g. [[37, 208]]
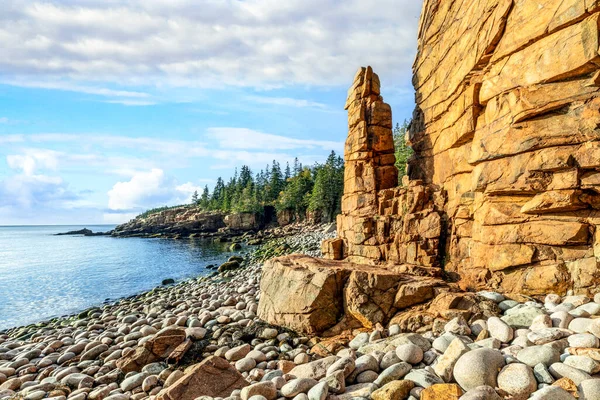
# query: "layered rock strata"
[[312, 295], [507, 128], [379, 220], [507, 151]]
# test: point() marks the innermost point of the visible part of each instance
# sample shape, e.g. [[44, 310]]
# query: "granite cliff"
[[503, 188], [188, 220], [502, 192]]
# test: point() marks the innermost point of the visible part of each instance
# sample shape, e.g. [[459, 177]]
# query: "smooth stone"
[[589, 389], [360, 340], [494, 296], [409, 353], [538, 354], [583, 363], [367, 377], [478, 367], [540, 371], [481, 393], [395, 372], [297, 386], [517, 380], [319, 391], [551, 393], [521, 317], [581, 325], [345, 364], [583, 340], [245, 364], [559, 370], [423, 378], [265, 389]]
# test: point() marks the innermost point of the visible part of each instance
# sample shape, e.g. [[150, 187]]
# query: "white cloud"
[[70, 87], [11, 139], [148, 189], [256, 43], [248, 139], [24, 191], [288, 102], [137, 103], [32, 160]]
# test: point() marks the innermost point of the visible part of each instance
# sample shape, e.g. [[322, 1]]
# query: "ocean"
[[44, 276]]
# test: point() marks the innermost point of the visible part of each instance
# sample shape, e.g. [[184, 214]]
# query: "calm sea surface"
[[43, 276]]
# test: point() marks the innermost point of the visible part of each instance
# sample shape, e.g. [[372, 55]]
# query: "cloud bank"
[[252, 43]]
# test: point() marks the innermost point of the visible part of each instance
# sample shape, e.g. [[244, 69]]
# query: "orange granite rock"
[[503, 190]]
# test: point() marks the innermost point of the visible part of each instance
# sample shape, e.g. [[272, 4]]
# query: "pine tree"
[[205, 198], [195, 197], [275, 185], [329, 187]]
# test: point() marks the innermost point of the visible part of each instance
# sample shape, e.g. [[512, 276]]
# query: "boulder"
[[311, 295], [159, 347], [213, 377]]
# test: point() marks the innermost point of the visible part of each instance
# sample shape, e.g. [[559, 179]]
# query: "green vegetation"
[[299, 189], [403, 152]]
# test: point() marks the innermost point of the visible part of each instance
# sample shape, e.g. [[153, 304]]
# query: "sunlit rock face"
[[507, 128], [503, 188]]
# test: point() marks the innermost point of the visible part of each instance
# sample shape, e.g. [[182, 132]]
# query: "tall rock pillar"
[[369, 152]]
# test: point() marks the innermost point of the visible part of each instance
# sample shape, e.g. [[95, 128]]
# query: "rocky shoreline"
[[201, 338]]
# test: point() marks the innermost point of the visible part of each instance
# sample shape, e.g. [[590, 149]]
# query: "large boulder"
[[311, 295], [213, 377], [301, 293]]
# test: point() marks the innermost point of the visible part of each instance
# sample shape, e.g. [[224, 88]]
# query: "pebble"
[[522, 351], [538, 354], [499, 329], [589, 389], [483, 392], [409, 353], [297, 386], [478, 367], [517, 380]]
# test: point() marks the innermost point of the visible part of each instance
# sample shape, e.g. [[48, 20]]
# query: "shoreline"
[[150, 346], [250, 252]]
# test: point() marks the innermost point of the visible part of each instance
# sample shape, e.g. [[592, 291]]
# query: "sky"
[[111, 107]]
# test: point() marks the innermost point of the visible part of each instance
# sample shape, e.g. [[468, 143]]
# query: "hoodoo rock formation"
[[503, 191]]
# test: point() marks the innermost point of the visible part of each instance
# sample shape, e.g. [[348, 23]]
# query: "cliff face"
[[504, 186], [183, 220], [507, 129], [188, 220]]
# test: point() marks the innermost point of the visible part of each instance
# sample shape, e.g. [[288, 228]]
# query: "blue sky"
[[110, 107]]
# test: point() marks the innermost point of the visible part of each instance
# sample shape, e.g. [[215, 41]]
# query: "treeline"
[[296, 188]]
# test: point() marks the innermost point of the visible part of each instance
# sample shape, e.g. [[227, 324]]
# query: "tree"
[[329, 187], [275, 183], [216, 201], [288, 172], [205, 198], [296, 195], [297, 166], [402, 150], [195, 197]]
